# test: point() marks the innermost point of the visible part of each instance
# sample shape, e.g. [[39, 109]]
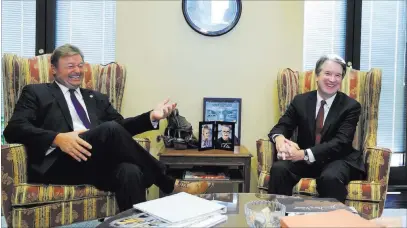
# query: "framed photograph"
[[206, 135], [224, 109], [224, 135]]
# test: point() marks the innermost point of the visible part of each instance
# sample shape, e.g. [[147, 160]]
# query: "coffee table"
[[235, 203]]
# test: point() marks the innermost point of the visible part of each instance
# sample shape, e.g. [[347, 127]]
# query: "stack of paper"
[[184, 210]]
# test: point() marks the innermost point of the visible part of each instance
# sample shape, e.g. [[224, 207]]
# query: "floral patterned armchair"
[[38, 205], [367, 196]]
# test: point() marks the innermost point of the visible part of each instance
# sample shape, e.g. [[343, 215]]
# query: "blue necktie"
[[79, 109]]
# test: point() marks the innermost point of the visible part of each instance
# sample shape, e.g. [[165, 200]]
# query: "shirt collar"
[[328, 101], [65, 89]]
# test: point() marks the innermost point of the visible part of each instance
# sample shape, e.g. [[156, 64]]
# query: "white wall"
[[166, 58]]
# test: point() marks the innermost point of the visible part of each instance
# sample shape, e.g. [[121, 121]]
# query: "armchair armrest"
[[377, 164], [265, 155], [13, 172], [265, 158], [13, 164]]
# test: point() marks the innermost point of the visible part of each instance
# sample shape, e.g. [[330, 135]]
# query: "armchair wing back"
[[367, 196]]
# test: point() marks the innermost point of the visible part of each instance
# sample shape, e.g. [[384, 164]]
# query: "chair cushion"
[[27, 194], [307, 186], [64, 213], [357, 190]]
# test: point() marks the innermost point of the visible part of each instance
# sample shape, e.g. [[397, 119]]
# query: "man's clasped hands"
[[288, 150]]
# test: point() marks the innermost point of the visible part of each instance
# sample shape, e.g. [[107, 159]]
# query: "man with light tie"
[[326, 120]]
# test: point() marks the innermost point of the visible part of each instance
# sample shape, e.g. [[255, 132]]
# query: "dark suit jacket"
[[337, 133], [42, 112]]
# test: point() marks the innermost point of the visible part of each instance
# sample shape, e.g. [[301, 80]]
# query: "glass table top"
[[235, 203]]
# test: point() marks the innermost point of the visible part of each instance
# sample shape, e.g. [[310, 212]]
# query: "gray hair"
[[65, 50], [332, 57]]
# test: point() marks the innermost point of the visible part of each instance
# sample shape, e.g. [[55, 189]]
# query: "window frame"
[[353, 32], [45, 26]]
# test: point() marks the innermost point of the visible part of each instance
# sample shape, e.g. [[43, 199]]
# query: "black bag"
[[178, 134]]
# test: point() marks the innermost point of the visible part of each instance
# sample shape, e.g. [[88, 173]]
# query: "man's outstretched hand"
[[162, 110], [73, 145]]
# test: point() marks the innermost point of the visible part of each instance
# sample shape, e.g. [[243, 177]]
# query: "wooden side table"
[[237, 162]]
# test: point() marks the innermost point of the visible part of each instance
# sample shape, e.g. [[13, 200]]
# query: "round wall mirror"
[[212, 17]]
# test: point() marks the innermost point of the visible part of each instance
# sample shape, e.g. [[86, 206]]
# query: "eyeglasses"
[[226, 131]]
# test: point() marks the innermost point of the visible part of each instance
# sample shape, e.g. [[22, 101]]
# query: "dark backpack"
[[178, 134]]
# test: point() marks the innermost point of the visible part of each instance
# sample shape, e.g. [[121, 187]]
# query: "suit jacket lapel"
[[89, 99], [332, 114], [59, 96], [311, 108]]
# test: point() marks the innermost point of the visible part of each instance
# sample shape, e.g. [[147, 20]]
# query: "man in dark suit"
[[75, 136], [326, 120]]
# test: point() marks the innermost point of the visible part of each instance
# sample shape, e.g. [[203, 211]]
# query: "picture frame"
[[224, 136], [224, 109], [206, 135]]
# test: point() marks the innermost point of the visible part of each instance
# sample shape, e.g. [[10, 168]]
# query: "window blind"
[[90, 25], [18, 27], [324, 30], [17, 33], [383, 45]]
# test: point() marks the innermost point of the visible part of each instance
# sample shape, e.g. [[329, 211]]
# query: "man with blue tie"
[[326, 120], [75, 136]]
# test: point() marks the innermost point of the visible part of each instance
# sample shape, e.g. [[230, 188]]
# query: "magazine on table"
[[143, 219], [305, 205], [139, 220], [194, 175]]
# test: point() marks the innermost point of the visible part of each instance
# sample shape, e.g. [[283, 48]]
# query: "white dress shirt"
[[327, 106], [77, 122]]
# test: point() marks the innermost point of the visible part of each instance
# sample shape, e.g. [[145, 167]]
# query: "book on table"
[[305, 205], [183, 209]]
